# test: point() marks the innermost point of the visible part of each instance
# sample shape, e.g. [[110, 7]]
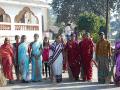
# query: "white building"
[[22, 17]]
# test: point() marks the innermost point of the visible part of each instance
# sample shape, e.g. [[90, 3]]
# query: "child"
[[45, 55]]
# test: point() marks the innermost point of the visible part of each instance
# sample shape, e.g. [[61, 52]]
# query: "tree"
[[68, 10], [90, 23]]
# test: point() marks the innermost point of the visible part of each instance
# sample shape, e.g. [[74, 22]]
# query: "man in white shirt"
[[68, 31]]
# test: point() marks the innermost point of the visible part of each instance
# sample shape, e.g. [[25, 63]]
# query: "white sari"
[[56, 60]]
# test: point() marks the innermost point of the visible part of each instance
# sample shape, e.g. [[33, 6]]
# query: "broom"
[[95, 63]]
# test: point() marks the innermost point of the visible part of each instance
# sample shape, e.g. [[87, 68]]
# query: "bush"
[[90, 23]]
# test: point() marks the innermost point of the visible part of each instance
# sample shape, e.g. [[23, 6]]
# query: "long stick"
[[95, 63]]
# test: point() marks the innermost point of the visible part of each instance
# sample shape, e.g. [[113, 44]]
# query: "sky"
[[47, 0]]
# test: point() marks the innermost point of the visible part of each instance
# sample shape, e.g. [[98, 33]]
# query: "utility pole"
[[107, 18]]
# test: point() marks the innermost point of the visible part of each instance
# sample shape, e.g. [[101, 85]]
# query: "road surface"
[[65, 85]]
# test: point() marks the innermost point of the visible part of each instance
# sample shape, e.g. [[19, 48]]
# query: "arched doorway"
[[4, 17], [4, 20], [26, 16], [26, 20]]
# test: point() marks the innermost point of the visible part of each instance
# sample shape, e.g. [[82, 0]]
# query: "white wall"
[[12, 10]]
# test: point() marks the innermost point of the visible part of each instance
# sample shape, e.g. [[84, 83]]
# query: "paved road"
[[65, 85]]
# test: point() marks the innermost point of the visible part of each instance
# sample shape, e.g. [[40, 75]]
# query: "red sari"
[[86, 49], [73, 58], [7, 60], [64, 60]]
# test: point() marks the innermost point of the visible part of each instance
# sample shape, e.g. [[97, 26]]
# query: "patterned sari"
[[36, 62], [103, 54], [56, 60], [23, 59], [117, 73]]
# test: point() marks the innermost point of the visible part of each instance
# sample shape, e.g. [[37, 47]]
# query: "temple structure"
[[23, 17]]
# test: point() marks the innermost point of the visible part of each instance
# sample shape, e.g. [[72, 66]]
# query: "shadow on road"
[[65, 85]]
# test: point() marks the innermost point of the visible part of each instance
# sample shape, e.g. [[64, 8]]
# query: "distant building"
[[23, 17]]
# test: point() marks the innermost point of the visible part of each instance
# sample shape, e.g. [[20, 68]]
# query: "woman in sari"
[[23, 59], [86, 51], [56, 59], [117, 59], [103, 55], [73, 58], [65, 56], [7, 56], [36, 50], [3, 81]]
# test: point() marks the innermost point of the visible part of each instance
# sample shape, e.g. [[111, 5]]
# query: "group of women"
[[20, 55], [76, 55]]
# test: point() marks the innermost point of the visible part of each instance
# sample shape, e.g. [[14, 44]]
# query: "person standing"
[[45, 55], [68, 31], [23, 59], [117, 59], [86, 50], [56, 59], [76, 32], [3, 81], [36, 52], [7, 56], [103, 54], [64, 57], [16, 65], [73, 58]]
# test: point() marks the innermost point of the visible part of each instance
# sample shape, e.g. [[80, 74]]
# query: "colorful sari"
[[23, 59], [7, 60], [56, 60], [103, 54], [86, 50], [117, 73], [73, 59], [36, 48]]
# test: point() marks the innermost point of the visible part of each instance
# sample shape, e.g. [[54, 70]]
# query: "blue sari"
[[36, 62], [23, 59]]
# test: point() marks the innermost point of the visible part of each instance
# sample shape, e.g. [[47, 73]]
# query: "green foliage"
[[68, 10], [89, 22], [95, 37], [61, 30], [61, 27], [102, 22]]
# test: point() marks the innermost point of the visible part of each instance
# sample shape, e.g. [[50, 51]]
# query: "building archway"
[[26, 16], [4, 17]]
